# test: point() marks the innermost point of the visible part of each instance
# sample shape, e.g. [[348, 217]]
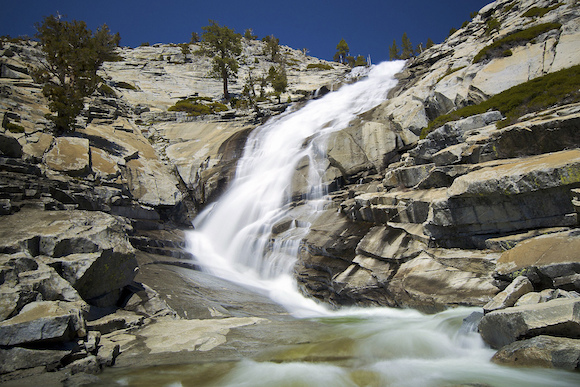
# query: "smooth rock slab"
[[559, 317], [69, 155], [541, 351]]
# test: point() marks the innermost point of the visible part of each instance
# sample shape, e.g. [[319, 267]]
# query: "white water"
[[233, 240]]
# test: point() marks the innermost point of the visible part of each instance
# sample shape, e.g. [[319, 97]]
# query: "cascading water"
[[378, 347], [233, 238]]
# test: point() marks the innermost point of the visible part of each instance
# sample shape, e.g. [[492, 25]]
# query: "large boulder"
[[560, 317], [89, 249], [69, 155], [550, 260], [510, 295], [43, 321], [437, 279], [26, 279], [541, 351]]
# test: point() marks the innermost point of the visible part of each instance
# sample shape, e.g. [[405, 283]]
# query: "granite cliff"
[[468, 213]]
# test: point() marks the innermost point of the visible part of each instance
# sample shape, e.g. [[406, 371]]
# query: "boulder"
[[26, 279], [541, 351], [551, 259], [90, 249], [560, 317], [389, 244], [433, 282], [95, 275], [452, 133], [9, 146], [43, 321], [510, 295], [103, 164], [17, 358], [69, 155]]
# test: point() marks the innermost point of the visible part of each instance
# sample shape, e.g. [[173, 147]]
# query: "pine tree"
[[429, 43], [360, 61], [73, 56], [194, 38], [342, 51], [278, 79], [406, 47], [272, 48], [394, 51], [249, 34], [224, 45]]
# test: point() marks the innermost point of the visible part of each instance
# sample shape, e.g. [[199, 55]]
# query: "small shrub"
[[492, 24], [509, 7], [561, 87], [319, 66], [107, 90], [185, 50], [507, 52], [539, 12], [14, 128], [514, 39], [145, 44], [125, 85], [449, 72], [194, 107]]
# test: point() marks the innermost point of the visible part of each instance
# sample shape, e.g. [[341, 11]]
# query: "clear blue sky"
[[368, 26]]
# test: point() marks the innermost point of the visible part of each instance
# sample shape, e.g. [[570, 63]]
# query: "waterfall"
[[252, 234], [233, 237]]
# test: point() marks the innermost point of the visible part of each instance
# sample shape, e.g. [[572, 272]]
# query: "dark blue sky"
[[368, 26]]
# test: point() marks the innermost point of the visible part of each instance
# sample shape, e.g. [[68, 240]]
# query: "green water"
[[375, 348]]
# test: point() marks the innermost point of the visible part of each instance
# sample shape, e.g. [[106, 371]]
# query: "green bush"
[[558, 88], [539, 12], [319, 66], [492, 24], [14, 128], [193, 107], [125, 85], [107, 90], [514, 39], [449, 72]]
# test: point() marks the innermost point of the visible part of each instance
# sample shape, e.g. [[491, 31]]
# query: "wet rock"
[[121, 319], [556, 318], [541, 351]]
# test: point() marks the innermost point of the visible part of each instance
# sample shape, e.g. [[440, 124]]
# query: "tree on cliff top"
[[73, 56], [342, 51], [224, 45]]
